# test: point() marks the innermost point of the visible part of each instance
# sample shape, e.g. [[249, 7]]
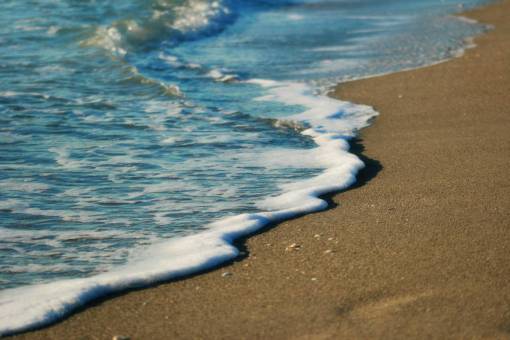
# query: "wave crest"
[[165, 21]]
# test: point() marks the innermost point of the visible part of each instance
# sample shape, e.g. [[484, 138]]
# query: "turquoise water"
[[127, 123]]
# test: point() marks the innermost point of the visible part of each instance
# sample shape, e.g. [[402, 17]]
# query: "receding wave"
[[329, 122]]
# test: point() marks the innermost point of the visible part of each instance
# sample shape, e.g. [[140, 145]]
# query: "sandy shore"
[[420, 248]]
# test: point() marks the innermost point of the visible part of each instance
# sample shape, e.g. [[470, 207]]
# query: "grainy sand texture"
[[420, 248]]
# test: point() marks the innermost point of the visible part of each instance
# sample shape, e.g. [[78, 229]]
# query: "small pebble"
[[225, 274], [293, 246], [121, 337]]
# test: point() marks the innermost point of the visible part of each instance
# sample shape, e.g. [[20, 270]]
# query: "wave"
[[137, 77], [329, 122], [164, 21], [174, 21]]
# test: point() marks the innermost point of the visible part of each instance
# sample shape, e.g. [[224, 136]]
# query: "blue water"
[[124, 123]]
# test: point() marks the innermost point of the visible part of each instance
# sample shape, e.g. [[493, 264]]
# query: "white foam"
[[28, 236], [52, 30], [24, 186], [63, 158], [108, 38], [171, 186], [54, 69], [177, 63], [220, 76], [38, 268], [7, 94], [92, 119], [465, 19], [332, 123], [12, 204], [169, 140], [193, 66], [19, 207], [170, 60], [161, 219], [295, 17], [29, 28], [66, 215], [197, 14], [218, 139]]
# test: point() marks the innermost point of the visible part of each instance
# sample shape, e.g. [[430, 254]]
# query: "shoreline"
[[186, 308]]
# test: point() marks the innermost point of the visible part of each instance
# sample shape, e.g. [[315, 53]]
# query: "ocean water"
[[139, 138]]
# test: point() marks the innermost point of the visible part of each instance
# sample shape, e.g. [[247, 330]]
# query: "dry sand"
[[420, 248]]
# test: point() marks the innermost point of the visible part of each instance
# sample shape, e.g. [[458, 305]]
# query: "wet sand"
[[420, 248]]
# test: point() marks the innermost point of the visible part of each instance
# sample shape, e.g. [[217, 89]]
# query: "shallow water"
[[127, 128]]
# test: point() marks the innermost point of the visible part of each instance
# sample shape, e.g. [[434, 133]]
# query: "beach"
[[417, 249]]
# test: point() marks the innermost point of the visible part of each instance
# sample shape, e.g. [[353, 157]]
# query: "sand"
[[418, 249]]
